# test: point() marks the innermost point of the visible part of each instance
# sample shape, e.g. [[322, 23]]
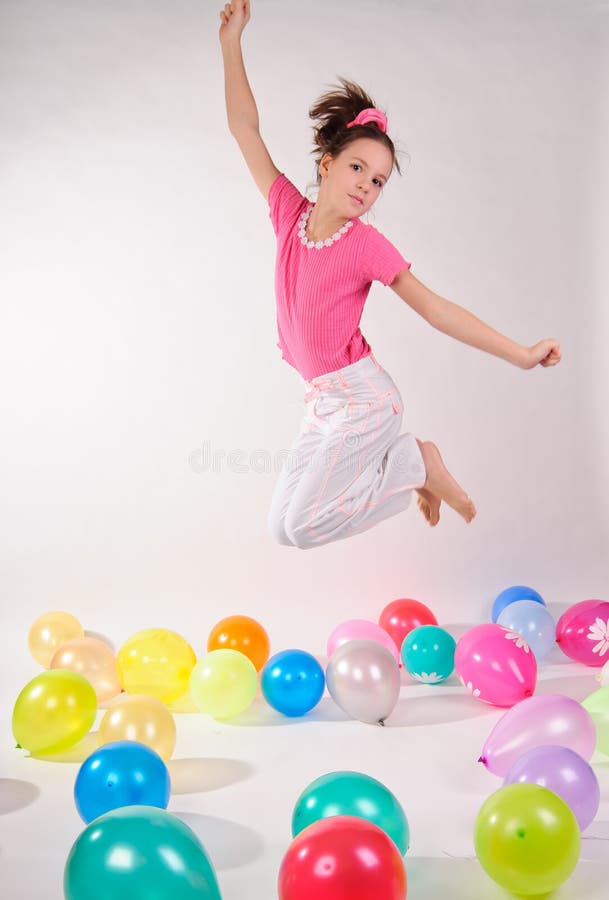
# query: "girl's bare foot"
[[441, 484], [429, 505]]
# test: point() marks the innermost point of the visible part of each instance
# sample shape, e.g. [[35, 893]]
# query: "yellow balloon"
[[54, 711], [49, 632], [92, 659], [223, 683], [156, 662], [134, 717]]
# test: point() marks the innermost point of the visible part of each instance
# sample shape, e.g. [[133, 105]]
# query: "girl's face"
[[353, 180]]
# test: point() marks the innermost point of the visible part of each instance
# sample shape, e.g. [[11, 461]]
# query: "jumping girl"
[[349, 467]]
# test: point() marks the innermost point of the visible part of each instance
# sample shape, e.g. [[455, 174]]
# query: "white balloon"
[[363, 678]]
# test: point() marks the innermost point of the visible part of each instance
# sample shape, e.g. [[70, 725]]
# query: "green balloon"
[[597, 705], [352, 794], [428, 653], [139, 853], [527, 839]]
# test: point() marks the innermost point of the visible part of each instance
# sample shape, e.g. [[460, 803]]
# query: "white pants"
[[349, 467]]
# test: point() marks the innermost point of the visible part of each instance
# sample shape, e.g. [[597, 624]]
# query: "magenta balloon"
[[582, 632], [535, 722], [563, 771], [496, 665]]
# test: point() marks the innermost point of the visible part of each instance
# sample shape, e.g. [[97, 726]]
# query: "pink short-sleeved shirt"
[[321, 292]]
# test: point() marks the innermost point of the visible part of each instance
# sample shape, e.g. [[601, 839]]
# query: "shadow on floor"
[[192, 775], [78, 753], [412, 711], [260, 714], [229, 844], [16, 794]]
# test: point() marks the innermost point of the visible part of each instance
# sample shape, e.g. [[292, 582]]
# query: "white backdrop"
[[137, 335]]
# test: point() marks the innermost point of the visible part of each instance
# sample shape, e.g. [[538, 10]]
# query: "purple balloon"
[[564, 772], [534, 722]]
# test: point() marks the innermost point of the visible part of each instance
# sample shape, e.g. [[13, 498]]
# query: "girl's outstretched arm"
[[241, 109], [460, 324]]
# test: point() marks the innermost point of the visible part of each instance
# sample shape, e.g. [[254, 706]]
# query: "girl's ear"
[[323, 164]]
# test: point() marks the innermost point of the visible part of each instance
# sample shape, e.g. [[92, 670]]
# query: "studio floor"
[[235, 784]]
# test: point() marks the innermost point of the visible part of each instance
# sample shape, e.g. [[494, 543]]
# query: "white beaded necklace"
[[319, 245]]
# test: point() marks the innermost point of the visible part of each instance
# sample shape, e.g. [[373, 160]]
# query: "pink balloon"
[[549, 719], [361, 630], [582, 632], [496, 665]]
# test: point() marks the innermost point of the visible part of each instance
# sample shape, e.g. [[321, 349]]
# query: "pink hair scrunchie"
[[370, 115]]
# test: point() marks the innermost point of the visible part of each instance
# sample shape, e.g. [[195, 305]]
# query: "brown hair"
[[333, 111]]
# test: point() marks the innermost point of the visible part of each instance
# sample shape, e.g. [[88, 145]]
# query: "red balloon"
[[402, 616], [582, 632], [342, 858]]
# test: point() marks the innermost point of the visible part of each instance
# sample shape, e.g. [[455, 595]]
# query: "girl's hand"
[[545, 353], [234, 17]]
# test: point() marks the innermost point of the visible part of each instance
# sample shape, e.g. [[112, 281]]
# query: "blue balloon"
[[511, 594], [292, 682], [123, 773], [533, 621], [428, 653]]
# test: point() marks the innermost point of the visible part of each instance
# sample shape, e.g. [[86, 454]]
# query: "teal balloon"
[[428, 654], [352, 794], [139, 853]]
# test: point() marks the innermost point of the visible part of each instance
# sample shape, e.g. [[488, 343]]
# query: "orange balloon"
[[135, 717], [243, 634], [49, 632], [94, 660]]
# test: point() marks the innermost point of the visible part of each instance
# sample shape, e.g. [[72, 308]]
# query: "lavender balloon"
[[535, 722], [564, 772]]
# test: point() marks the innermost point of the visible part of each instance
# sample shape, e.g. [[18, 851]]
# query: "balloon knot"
[[382, 722], [482, 759]]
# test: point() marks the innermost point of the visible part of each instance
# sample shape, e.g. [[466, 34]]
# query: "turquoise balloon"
[[139, 852], [428, 654], [352, 794]]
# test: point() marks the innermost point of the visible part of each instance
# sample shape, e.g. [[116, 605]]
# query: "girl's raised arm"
[[241, 109]]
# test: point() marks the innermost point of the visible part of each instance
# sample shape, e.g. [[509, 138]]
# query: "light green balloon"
[[527, 839], [352, 794], [223, 683], [597, 705], [54, 711], [139, 852]]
